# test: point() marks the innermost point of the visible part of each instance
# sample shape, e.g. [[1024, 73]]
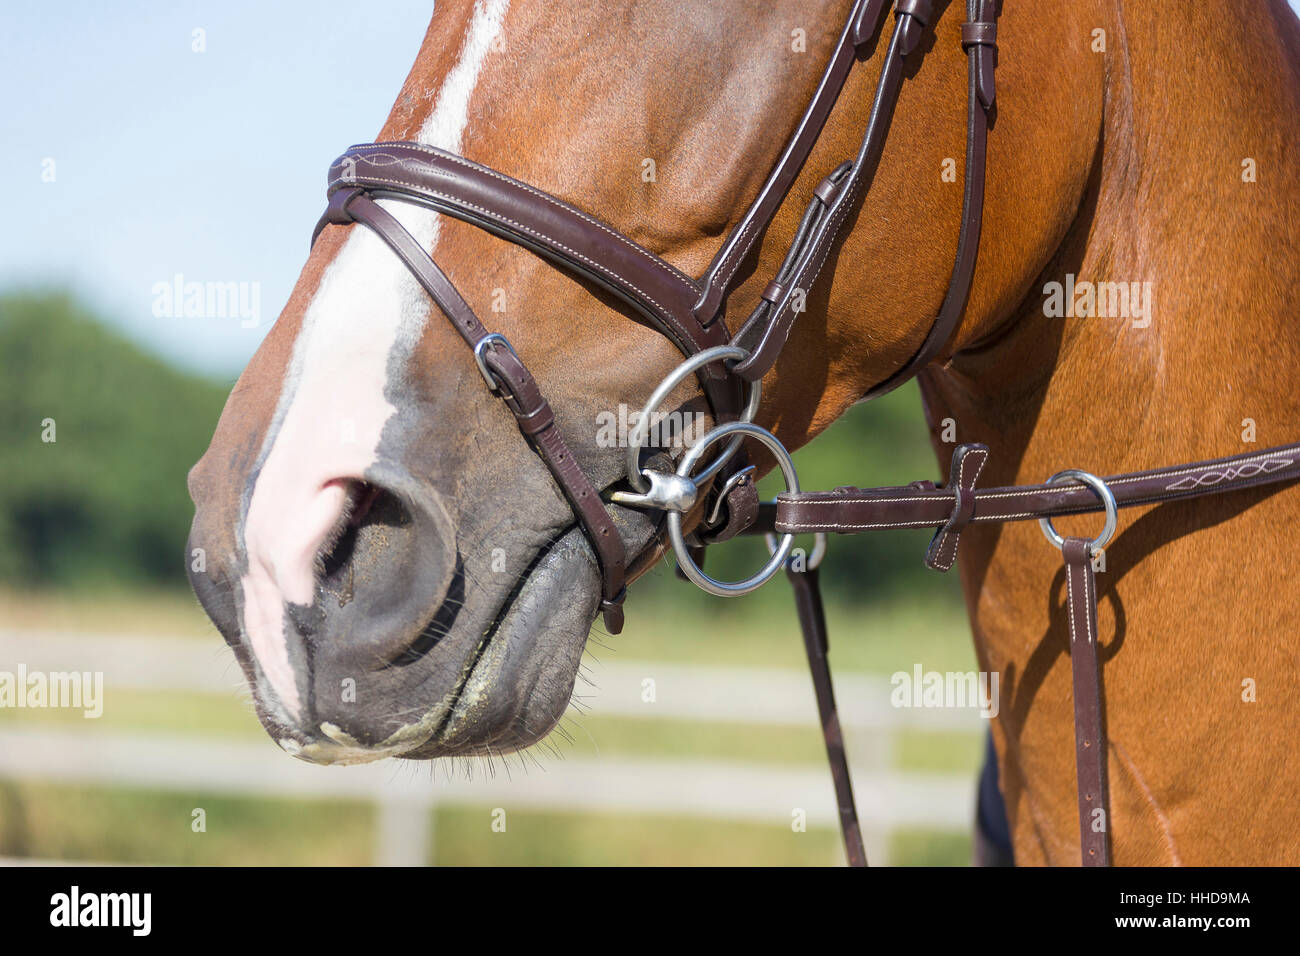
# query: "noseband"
[[730, 369]]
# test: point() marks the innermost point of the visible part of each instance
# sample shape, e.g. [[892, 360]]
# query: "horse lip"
[[505, 625]]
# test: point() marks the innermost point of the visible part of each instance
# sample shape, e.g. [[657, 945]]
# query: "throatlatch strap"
[[1089, 734], [812, 622]]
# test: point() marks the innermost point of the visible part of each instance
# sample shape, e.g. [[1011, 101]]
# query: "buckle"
[[491, 340]]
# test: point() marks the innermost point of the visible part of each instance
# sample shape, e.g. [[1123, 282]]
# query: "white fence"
[[406, 791]]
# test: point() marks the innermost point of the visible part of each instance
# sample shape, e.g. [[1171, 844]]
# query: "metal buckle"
[[480, 347], [660, 395], [782, 553], [1102, 492]]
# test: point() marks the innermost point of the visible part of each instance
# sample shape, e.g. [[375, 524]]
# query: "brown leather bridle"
[[690, 313]]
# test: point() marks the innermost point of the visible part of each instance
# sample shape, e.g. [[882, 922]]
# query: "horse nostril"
[[369, 519]]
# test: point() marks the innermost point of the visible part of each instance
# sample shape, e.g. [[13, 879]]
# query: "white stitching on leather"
[[425, 190], [940, 560], [785, 528], [644, 253], [1069, 590]]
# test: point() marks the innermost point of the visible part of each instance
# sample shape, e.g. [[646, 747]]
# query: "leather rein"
[[730, 369]]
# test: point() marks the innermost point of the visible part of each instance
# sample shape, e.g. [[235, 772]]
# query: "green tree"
[[105, 502]]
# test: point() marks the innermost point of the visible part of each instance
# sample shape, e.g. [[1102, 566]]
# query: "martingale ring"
[[660, 395], [1102, 492], [782, 552]]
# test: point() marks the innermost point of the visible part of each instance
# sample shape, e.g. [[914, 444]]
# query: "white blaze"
[[365, 318]]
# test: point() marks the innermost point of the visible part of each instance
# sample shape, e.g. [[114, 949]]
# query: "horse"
[[372, 521]]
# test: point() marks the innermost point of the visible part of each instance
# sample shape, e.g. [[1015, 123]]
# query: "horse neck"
[[1193, 195]]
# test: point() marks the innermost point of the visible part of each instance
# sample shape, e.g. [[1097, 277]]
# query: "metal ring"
[[818, 551], [660, 394], [1102, 492], [684, 561], [481, 346]]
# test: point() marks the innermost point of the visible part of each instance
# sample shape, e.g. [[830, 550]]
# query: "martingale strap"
[[1085, 670], [949, 509], [848, 510]]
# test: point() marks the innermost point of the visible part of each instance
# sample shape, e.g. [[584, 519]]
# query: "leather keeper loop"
[[967, 463], [827, 190], [979, 33], [536, 421], [336, 211]]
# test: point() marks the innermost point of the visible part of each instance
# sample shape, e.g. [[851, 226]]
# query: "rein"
[[729, 369]]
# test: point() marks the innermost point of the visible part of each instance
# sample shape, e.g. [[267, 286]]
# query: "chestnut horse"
[[372, 520]]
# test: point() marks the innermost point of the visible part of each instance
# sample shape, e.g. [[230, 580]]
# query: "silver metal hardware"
[[660, 395], [1101, 491], [684, 561], [491, 340], [667, 491]]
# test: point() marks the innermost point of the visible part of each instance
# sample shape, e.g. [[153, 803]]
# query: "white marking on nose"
[[363, 322]]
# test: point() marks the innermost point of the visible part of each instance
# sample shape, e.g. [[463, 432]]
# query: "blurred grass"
[[88, 823], [464, 837], [68, 823], [170, 612], [138, 826], [65, 823]]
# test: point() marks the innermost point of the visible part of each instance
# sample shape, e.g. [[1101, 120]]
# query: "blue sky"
[[166, 161]]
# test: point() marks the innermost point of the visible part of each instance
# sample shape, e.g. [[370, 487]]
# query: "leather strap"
[[515, 385], [863, 23], [849, 510], [739, 506], [853, 510], [662, 296], [1089, 730], [767, 328], [978, 37], [812, 624]]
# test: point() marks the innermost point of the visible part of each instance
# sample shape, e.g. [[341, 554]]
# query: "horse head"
[[397, 570]]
